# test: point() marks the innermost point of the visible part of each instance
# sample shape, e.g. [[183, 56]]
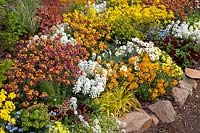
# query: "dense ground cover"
[[76, 66]]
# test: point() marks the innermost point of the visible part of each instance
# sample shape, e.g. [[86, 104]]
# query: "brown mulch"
[[188, 117]]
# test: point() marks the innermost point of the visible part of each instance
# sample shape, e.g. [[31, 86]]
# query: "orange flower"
[[130, 76], [132, 60], [25, 104], [175, 82], [162, 91], [110, 86], [122, 73], [25, 88], [133, 85], [44, 94], [154, 95]]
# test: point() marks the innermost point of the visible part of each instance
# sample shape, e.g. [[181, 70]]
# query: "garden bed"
[[80, 66]]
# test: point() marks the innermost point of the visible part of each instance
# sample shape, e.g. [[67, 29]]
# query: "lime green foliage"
[[4, 1], [58, 127], [4, 66], [118, 101], [27, 11], [11, 27], [35, 117], [136, 20]]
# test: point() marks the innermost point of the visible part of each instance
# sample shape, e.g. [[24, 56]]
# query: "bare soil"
[[188, 117]]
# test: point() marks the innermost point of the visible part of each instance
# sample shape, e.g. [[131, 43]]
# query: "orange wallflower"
[[133, 85]]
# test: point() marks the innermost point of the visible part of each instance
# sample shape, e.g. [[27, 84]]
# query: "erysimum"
[[93, 80]]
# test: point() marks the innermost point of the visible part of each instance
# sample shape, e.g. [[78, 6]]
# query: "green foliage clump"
[[11, 27], [35, 117], [4, 66]]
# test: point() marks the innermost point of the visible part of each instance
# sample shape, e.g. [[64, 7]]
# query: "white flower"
[[96, 128], [44, 37], [136, 67], [104, 72], [73, 103], [117, 53], [123, 131], [135, 39], [35, 37], [123, 68], [94, 56], [86, 87]]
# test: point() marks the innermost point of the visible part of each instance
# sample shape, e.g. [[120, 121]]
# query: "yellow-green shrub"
[[117, 101]]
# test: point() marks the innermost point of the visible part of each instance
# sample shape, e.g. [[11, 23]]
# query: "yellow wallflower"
[[6, 107], [11, 95], [1, 130]]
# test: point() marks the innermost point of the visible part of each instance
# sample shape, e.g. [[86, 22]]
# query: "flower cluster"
[[93, 80], [183, 30], [56, 32], [89, 31], [178, 7], [137, 46], [50, 13], [6, 106], [136, 20], [43, 59], [100, 7], [184, 51], [141, 74]]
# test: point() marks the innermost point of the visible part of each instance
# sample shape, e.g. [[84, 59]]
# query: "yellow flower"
[[11, 95], [155, 91], [12, 120], [150, 90], [1, 130]]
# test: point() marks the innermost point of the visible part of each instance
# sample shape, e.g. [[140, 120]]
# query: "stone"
[[155, 120], [193, 82], [137, 121], [192, 73], [184, 85], [163, 110], [180, 95]]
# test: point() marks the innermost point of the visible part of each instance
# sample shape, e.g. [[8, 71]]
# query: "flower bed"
[[92, 62]]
